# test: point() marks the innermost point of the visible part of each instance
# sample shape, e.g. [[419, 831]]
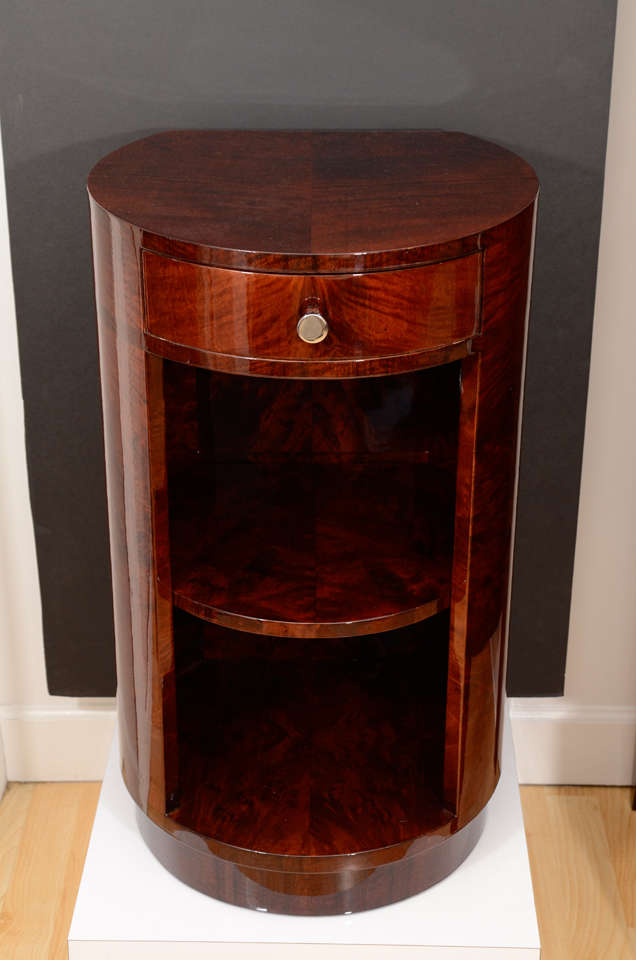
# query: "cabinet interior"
[[311, 529]]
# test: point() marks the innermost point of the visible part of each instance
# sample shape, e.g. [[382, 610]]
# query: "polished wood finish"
[[487, 464], [311, 562], [338, 747], [330, 502], [394, 315], [312, 201], [260, 561]]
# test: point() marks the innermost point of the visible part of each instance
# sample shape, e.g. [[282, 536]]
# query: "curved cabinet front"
[[377, 322], [311, 540]]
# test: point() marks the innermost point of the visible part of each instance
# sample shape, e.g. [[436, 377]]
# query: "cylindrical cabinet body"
[[311, 348]]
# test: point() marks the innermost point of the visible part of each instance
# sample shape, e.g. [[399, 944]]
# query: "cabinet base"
[[304, 893]]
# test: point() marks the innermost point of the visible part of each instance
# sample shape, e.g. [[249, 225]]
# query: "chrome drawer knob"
[[312, 327]]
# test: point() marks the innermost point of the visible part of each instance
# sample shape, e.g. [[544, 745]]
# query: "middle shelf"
[[317, 509], [334, 547]]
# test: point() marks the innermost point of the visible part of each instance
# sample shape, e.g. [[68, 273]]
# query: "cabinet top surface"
[[291, 195]]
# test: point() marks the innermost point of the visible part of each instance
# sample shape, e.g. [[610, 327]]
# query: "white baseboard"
[[556, 742], [57, 742]]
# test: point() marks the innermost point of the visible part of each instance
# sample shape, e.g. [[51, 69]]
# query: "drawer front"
[[255, 315]]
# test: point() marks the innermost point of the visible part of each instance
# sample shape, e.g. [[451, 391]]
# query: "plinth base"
[[316, 891], [130, 908]]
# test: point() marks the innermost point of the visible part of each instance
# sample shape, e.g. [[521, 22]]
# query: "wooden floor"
[[582, 843]]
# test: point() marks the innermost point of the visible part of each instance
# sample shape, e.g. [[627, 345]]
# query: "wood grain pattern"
[[329, 503], [14, 808], [401, 315], [307, 369], [313, 201], [619, 825], [337, 748], [313, 505], [117, 354], [583, 884], [487, 464], [345, 888], [126, 391], [51, 841]]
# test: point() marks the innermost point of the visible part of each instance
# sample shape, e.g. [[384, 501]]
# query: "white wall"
[[44, 737], [590, 734]]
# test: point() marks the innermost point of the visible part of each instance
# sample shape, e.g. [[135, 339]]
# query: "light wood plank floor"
[[582, 843]]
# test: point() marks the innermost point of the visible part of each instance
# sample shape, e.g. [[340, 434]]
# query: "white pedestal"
[[130, 908]]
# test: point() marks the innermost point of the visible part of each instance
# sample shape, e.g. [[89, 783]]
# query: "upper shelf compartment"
[[373, 323], [311, 508]]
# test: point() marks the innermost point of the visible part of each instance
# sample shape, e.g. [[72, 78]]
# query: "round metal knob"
[[312, 327]]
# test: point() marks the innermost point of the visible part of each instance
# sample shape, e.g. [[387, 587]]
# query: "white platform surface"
[[130, 908]]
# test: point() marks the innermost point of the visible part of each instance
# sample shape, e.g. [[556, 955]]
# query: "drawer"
[[231, 313]]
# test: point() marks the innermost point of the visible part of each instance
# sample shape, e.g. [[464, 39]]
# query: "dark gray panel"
[[81, 77]]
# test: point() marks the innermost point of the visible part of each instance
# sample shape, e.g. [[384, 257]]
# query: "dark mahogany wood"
[[338, 747], [311, 562], [488, 456], [307, 369], [372, 317], [317, 549], [336, 887], [313, 201], [312, 508]]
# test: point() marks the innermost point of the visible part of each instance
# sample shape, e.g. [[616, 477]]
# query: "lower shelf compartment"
[[296, 748]]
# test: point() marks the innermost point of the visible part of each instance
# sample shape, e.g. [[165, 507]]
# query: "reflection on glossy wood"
[[486, 473], [352, 740], [337, 748], [313, 201], [314, 550], [192, 312], [330, 503], [333, 885]]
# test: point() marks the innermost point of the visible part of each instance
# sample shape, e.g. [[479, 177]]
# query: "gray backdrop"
[[81, 77]]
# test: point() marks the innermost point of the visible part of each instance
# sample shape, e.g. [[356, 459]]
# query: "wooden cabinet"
[[311, 347]]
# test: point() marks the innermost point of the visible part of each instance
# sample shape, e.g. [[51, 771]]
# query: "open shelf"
[[334, 547], [311, 508], [290, 748]]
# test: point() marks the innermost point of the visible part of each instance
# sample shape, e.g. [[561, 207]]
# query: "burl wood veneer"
[[311, 540]]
